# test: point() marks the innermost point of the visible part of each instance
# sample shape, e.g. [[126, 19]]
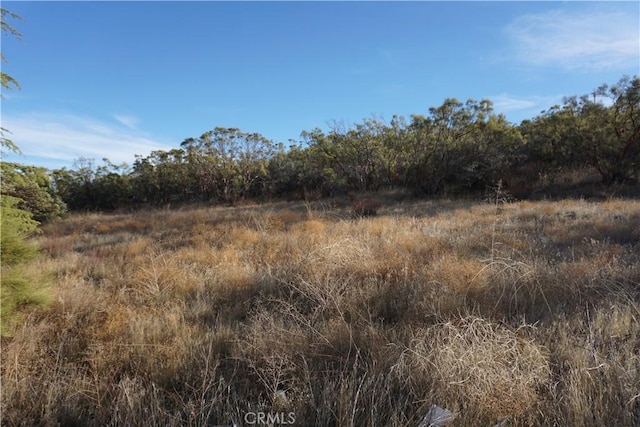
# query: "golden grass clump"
[[595, 358], [488, 367]]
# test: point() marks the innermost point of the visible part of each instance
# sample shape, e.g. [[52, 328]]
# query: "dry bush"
[[365, 208], [479, 370]]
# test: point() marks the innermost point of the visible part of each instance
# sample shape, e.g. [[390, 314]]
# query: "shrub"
[[17, 287]]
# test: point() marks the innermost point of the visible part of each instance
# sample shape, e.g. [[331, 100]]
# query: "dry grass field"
[[524, 313]]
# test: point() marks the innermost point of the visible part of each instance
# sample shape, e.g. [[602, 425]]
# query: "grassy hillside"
[[525, 312]]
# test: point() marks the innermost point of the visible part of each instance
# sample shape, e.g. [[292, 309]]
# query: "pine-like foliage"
[[19, 286]]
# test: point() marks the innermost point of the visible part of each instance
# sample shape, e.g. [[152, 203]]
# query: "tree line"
[[457, 148]]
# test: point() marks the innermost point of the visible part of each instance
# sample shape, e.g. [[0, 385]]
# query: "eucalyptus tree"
[[162, 177], [459, 144], [599, 130], [618, 158], [398, 153], [234, 162], [292, 171]]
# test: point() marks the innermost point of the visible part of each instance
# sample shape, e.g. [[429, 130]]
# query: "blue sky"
[[115, 79]]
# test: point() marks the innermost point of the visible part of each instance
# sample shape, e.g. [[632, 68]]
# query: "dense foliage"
[[457, 148], [32, 187], [601, 131]]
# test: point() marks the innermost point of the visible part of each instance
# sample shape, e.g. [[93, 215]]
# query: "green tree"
[[294, 172], [6, 80], [397, 153], [326, 162], [351, 158], [619, 158], [235, 162], [163, 177], [452, 139], [601, 130], [365, 143], [549, 145], [90, 187], [497, 147], [463, 145], [75, 186], [113, 187], [32, 187], [19, 286]]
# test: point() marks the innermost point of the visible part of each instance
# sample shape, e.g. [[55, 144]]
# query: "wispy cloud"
[[518, 108], [590, 40], [506, 103], [62, 138], [127, 120]]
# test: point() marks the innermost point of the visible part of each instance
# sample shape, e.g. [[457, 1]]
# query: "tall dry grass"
[[522, 312]]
